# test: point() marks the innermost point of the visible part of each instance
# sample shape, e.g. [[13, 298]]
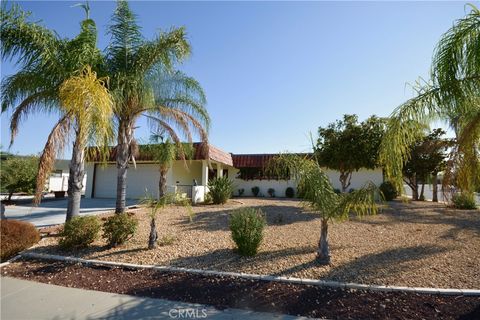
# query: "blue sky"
[[274, 71]]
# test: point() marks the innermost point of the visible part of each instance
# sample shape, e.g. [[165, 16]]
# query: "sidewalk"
[[21, 299]]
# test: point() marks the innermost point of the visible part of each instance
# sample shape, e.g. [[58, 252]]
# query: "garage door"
[[144, 177]]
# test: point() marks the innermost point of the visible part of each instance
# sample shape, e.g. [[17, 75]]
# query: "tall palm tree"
[[319, 195], [451, 95], [48, 75], [143, 81]]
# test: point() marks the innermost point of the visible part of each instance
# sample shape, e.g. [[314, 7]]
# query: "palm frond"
[[57, 139]]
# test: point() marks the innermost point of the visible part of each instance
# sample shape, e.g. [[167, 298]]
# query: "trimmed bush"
[[241, 192], [16, 236], [289, 192], [80, 232], [337, 191], [119, 228], [247, 226], [255, 191], [389, 191], [220, 189], [271, 192], [464, 201]]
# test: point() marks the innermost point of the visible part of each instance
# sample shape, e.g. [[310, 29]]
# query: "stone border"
[[321, 283]]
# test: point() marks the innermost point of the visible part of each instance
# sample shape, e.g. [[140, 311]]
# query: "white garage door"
[[144, 177]]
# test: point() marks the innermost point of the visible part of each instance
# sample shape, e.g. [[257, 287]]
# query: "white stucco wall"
[[358, 180]]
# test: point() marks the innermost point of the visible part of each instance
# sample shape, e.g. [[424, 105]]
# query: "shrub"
[[247, 226], [241, 192], [289, 192], [119, 228], [351, 190], [220, 189], [271, 192], [255, 191], [337, 191], [464, 201], [16, 236], [166, 240], [389, 191], [207, 199], [80, 232]]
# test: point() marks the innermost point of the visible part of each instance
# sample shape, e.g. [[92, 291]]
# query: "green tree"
[[451, 95], [48, 66], [19, 174], [427, 159], [347, 146], [320, 196], [144, 81]]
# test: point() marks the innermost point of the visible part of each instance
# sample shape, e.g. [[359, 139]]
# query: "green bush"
[[271, 192], [289, 192], [255, 191], [464, 201], [220, 189], [247, 226], [389, 191], [337, 191], [119, 228], [80, 232], [16, 236], [241, 192]]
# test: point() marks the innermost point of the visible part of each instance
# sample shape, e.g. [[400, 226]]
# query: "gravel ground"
[[416, 244]]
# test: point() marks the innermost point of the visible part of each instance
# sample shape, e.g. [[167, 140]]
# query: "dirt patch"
[[418, 244], [232, 292]]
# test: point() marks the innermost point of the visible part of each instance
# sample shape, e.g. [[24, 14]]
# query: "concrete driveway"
[[53, 211]]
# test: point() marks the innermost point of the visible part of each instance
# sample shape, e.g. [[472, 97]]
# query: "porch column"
[[204, 173], [219, 170]]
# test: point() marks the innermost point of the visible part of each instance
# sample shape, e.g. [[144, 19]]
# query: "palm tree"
[[49, 81], [143, 81], [319, 195], [451, 95]]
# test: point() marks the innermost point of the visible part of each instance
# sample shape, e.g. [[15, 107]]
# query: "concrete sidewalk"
[[22, 299]]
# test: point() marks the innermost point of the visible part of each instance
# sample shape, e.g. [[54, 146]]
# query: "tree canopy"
[[348, 146]]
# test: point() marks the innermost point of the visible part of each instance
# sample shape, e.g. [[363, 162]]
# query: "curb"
[[313, 282], [6, 263]]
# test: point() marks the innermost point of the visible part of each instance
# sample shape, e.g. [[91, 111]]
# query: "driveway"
[[53, 211]]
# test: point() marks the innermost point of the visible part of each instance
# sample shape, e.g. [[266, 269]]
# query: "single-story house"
[[191, 178]]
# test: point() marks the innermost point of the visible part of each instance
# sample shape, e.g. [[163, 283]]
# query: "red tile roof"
[[251, 160], [201, 152]]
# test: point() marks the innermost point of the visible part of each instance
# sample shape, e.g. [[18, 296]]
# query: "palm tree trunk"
[[323, 253], [75, 180], [162, 182], [435, 188], [123, 156], [152, 239]]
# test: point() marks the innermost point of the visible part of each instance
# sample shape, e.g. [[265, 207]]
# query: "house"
[[190, 178]]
